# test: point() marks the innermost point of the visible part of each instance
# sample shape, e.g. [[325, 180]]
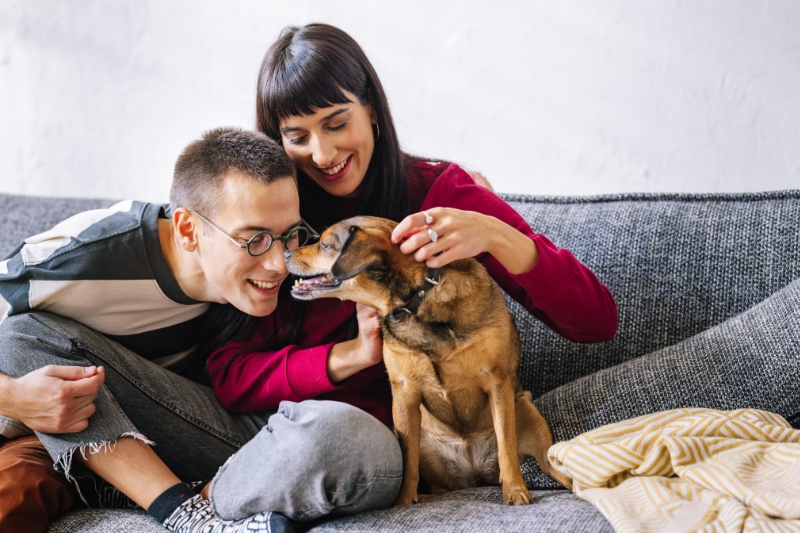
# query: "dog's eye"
[[325, 246]]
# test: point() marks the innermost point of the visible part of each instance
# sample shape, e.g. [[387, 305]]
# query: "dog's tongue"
[[314, 283]]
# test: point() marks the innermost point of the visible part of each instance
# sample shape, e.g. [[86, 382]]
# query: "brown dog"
[[451, 350]]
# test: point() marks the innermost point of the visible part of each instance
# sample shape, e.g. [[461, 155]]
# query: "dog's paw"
[[406, 499], [516, 496]]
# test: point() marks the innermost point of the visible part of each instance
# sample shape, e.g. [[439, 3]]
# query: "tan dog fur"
[[459, 412]]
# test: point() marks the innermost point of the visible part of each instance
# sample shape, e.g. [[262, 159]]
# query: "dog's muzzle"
[[307, 289]]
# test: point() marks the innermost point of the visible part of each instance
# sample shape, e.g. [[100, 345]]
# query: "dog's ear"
[[358, 254]]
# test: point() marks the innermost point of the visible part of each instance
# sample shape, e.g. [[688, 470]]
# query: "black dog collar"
[[413, 303]]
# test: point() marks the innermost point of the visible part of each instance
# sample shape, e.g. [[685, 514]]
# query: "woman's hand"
[[442, 235], [366, 350]]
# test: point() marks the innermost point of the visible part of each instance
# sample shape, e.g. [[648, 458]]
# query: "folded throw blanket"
[[689, 470]]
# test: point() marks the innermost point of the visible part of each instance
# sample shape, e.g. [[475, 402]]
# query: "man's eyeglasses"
[[261, 242]]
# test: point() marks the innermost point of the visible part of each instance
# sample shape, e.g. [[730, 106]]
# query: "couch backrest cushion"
[[676, 264], [22, 216]]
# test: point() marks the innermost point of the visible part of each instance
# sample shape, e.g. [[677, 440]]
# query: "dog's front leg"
[[503, 402], [407, 417], [406, 400]]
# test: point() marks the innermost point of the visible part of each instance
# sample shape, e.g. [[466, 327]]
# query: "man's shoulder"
[[125, 220]]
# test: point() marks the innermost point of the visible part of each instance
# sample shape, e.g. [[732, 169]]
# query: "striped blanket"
[[689, 470]]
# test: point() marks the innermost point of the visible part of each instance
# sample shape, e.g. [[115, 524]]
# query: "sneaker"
[[195, 515]]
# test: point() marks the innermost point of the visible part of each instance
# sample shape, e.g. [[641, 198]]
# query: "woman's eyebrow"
[[287, 129]]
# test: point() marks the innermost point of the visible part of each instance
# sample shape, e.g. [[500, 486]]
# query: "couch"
[[677, 265]]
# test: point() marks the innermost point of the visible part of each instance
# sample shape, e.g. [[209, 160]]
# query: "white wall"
[[98, 97]]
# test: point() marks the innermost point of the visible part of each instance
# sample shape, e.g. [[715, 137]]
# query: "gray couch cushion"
[[676, 264]]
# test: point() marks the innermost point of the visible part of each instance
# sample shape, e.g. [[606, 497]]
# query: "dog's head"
[[356, 260]]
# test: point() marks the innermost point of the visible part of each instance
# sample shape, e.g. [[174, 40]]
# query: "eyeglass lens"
[[262, 242]]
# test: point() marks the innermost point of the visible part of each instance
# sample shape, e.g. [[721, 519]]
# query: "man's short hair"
[[203, 165]]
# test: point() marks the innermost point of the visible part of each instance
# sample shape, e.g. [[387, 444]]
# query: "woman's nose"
[[322, 152]]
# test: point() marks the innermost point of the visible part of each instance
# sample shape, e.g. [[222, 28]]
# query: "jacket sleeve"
[[559, 290]]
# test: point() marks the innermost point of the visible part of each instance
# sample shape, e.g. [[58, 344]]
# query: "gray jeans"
[[306, 460]]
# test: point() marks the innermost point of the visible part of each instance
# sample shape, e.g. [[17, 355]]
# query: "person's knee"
[[362, 453], [38, 337], [341, 427], [32, 492]]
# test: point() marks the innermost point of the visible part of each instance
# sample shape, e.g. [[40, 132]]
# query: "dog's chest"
[[433, 339], [451, 389]]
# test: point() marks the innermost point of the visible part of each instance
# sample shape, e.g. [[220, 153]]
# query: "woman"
[[319, 96]]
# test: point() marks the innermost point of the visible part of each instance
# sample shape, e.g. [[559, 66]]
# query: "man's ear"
[[185, 228]]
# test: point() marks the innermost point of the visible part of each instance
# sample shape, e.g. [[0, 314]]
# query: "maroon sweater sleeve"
[[559, 290], [247, 380], [259, 374]]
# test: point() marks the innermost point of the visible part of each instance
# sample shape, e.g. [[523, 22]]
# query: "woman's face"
[[333, 146]]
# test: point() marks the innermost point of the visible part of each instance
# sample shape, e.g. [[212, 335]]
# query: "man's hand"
[[53, 399]]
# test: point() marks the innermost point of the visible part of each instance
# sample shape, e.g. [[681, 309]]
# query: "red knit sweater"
[[559, 291]]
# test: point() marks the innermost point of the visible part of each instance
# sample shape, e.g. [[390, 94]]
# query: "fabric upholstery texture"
[[677, 265]]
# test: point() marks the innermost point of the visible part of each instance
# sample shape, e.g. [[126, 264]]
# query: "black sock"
[[169, 500]]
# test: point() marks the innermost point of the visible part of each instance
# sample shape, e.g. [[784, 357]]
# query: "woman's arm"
[[471, 221], [245, 379]]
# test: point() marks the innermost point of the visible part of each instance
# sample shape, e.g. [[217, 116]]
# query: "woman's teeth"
[[264, 284], [334, 170]]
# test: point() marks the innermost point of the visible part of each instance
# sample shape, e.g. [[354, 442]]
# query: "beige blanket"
[[689, 470]]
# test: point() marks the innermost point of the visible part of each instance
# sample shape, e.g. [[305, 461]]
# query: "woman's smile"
[[337, 172]]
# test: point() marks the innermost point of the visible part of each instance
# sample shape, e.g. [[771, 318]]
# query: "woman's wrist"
[[514, 250], [347, 358]]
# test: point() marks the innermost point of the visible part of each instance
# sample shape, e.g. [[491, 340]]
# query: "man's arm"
[[52, 399]]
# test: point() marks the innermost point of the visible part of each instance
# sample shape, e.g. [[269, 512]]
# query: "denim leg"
[[191, 432], [749, 361], [314, 458]]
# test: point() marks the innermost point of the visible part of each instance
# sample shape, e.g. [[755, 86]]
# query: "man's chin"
[[258, 309], [265, 309]]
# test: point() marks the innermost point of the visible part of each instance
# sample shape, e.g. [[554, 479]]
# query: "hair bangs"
[[303, 95]]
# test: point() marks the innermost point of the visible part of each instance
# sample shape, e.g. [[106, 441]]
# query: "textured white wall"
[[97, 98]]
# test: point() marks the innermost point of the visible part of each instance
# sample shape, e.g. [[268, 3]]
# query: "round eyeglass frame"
[[272, 238]]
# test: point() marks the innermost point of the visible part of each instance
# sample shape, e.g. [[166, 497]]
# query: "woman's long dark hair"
[[305, 70]]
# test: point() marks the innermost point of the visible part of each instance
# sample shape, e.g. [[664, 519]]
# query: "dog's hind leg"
[[534, 437]]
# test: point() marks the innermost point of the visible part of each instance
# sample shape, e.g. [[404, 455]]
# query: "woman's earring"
[[377, 132]]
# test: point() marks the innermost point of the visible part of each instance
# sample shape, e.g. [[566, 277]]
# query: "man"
[[103, 310]]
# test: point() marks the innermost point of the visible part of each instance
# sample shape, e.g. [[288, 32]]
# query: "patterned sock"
[[196, 516]]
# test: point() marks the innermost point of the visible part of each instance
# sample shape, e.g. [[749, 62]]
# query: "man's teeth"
[[264, 284], [333, 170]]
